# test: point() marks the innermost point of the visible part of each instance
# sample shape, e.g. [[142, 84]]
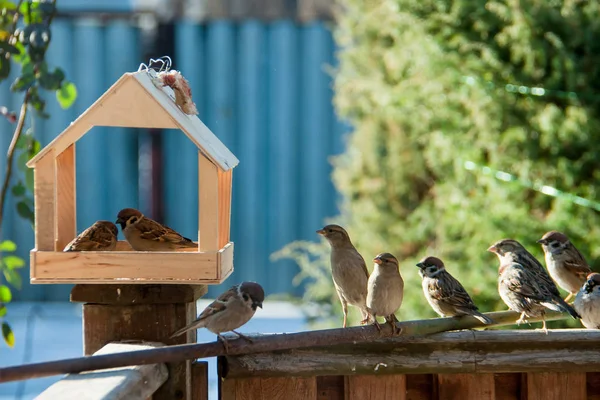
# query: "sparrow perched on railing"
[[145, 234], [229, 311], [101, 236], [348, 270], [587, 302], [565, 263], [444, 293], [386, 290], [524, 285]]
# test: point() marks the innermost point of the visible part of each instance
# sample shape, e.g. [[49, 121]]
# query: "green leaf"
[[29, 179], [13, 262], [52, 81], [8, 48], [34, 147], [8, 246], [5, 294], [32, 14], [22, 58], [66, 95], [13, 277], [25, 211], [22, 160], [2, 310], [4, 68], [22, 83], [8, 335], [19, 189]]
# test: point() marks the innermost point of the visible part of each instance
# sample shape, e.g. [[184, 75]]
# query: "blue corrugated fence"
[[261, 87]]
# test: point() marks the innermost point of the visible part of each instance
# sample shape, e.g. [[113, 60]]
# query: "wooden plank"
[[291, 388], [123, 294], [375, 387], [208, 204], [466, 386], [104, 323], [593, 385], [132, 267], [66, 198], [44, 177], [200, 380], [556, 386], [330, 387], [225, 182], [507, 386], [421, 387], [132, 383]]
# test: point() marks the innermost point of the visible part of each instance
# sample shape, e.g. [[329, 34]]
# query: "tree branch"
[[11, 154]]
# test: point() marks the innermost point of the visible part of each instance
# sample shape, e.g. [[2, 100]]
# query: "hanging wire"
[[161, 64]]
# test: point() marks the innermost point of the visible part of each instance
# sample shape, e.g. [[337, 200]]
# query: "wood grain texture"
[[208, 205], [375, 387], [269, 389], [421, 387], [66, 194], [466, 386], [556, 386], [104, 323], [508, 386], [330, 387], [190, 267], [200, 380], [122, 294], [132, 383], [225, 183], [44, 177]]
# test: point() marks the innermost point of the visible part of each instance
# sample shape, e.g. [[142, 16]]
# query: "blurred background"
[[424, 127]]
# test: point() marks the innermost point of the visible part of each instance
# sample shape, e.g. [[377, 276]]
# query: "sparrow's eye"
[[246, 298], [554, 244], [329, 230]]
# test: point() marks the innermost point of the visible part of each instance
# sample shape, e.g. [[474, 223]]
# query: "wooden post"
[[142, 313]]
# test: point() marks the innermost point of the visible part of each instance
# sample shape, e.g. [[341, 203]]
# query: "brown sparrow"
[[444, 293], [565, 263], [145, 234], [587, 302], [386, 290], [229, 311], [524, 285], [102, 236], [348, 270]]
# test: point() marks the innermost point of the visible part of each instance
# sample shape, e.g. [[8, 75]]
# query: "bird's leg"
[[568, 297], [376, 323], [243, 336], [522, 319], [544, 325], [224, 341], [391, 319], [345, 311], [366, 316]]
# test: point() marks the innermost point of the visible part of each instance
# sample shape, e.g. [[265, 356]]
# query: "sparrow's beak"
[[321, 232], [421, 265], [541, 241], [118, 221], [588, 286], [258, 305], [377, 260], [492, 249]]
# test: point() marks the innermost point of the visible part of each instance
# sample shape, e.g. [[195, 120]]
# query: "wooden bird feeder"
[[136, 100]]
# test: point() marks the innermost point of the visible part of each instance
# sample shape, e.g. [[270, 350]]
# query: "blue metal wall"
[[261, 87]]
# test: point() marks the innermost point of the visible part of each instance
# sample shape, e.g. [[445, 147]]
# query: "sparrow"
[[587, 302], [565, 263], [101, 236], [444, 293], [145, 234], [349, 271], [386, 290], [524, 285], [229, 311]]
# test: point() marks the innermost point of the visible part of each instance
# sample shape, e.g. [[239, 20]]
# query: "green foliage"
[[474, 121], [25, 35]]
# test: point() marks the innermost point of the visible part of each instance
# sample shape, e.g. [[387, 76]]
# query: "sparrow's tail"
[[182, 331], [484, 319], [558, 304]]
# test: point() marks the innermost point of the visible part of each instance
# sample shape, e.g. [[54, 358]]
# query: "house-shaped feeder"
[[136, 100]]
